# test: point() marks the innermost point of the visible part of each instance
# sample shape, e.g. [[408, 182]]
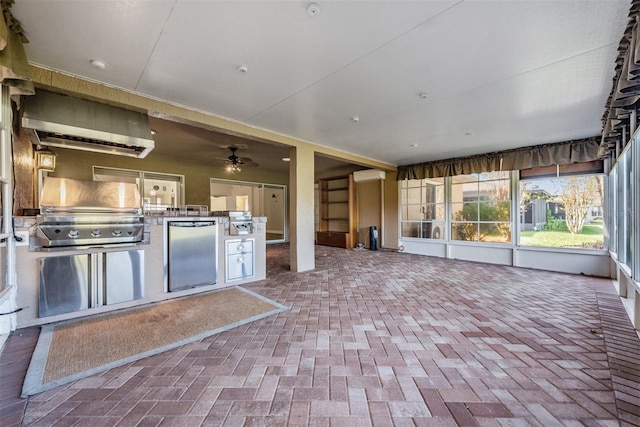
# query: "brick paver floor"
[[378, 338]]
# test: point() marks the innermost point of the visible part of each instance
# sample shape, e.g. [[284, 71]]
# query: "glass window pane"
[[433, 181], [494, 190], [465, 212], [488, 176], [433, 230], [611, 214], [470, 191], [464, 231], [499, 232], [456, 211], [562, 212], [429, 211], [414, 213], [628, 219], [496, 211], [413, 196], [161, 192], [410, 229], [3, 264], [461, 179]]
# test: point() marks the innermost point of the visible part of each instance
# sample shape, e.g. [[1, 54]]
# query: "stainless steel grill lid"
[[89, 213], [58, 193]]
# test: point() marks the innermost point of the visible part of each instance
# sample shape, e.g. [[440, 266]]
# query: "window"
[[423, 208], [624, 204], [158, 191], [624, 208], [268, 200], [610, 214], [563, 212], [481, 207], [6, 227]]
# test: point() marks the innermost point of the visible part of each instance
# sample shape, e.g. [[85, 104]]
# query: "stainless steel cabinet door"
[[124, 276], [64, 284]]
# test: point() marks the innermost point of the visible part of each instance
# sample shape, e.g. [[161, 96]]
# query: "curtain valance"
[[625, 92], [576, 151], [14, 68]]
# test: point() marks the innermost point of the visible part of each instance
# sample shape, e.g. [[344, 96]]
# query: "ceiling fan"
[[234, 162]]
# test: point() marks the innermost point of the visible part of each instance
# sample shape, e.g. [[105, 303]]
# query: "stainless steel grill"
[[240, 222], [89, 214]]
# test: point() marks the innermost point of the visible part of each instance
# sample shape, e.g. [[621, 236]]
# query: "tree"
[[577, 194]]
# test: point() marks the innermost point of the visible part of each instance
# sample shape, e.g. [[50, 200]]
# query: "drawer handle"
[[240, 260], [240, 247]]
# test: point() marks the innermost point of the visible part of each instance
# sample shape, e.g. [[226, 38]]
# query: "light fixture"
[[45, 160], [423, 95], [355, 119], [231, 168], [286, 159], [243, 69]]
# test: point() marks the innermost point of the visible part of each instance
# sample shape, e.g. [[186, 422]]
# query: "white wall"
[[591, 263]]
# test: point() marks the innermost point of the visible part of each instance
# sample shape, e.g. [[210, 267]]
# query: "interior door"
[[275, 203]]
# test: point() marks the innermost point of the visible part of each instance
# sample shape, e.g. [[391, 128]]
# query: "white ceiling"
[[497, 74]]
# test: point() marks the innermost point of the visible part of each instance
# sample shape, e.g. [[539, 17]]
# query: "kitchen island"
[[139, 271]]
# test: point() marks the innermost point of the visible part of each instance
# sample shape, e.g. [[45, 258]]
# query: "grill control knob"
[[73, 233], [117, 232], [96, 233]]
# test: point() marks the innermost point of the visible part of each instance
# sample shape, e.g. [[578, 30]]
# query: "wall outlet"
[[24, 235]]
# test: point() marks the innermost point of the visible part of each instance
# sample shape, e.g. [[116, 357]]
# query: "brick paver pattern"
[[381, 338]]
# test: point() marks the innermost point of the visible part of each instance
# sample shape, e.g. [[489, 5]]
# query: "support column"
[[301, 209]]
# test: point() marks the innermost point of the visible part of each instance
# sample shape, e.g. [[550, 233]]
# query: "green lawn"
[[591, 237]]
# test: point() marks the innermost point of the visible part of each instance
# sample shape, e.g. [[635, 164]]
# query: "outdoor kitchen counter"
[[155, 272]]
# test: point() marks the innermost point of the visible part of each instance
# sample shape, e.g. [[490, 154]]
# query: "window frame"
[[435, 228], [7, 241], [483, 180], [567, 174], [141, 176]]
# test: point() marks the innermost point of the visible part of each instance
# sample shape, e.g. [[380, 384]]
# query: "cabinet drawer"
[[239, 246], [239, 266]]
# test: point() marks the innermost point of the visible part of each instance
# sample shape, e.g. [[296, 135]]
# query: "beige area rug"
[[76, 349]]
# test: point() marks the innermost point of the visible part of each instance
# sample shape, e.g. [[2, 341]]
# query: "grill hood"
[[68, 122]]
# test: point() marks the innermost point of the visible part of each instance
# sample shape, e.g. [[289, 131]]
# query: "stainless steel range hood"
[[68, 122]]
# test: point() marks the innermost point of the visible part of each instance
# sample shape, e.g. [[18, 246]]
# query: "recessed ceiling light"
[[468, 133], [413, 145], [313, 10], [96, 63], [355, 119], [286, 159], [423, 95], [243, 68], [154, 132]]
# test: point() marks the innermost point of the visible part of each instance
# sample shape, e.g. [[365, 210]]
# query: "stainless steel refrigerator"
[[191, 257]]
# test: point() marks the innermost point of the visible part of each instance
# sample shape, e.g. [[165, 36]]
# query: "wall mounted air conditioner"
[[368, 175]]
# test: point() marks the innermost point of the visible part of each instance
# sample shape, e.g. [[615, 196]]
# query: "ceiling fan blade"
[[247, 161]]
